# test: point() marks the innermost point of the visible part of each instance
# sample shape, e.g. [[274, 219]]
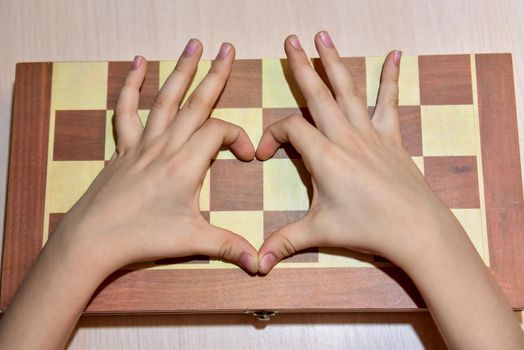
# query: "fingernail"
[[248, 262], [137, 62], [326, 39], [224, 50], [267, 262], [190, 48], [293, 40], [396, 57]]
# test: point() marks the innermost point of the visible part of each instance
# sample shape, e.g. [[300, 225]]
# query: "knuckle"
[[393, 101], [322, 93], [214, 123], [286, 248], [161, 101], [225, 250], [181, 70], [218, 74], [293, 121], [196, 102], [391, 78], [353, 93]]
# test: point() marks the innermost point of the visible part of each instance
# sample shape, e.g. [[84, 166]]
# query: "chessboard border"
[[291, 289]]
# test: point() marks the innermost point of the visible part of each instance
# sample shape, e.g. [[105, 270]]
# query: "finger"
[[306, 139], [198, 106], [226, 245], [168, 99], [386, 115], [207, 140], [128, 126], [346, 92], [325, 112], [284, 242]]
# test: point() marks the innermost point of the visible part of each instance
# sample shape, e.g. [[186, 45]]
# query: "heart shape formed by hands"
[[148, 195]]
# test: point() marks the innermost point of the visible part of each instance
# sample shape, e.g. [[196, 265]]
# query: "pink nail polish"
[[326, 39], [396, 57], [268, 261], [293, 40], [137, 62], [190, 48], [224, 50]]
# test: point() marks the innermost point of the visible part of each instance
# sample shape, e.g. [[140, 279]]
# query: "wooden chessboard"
[[458, 122]]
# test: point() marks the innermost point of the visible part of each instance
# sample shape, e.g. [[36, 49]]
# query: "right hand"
[[368, 194]]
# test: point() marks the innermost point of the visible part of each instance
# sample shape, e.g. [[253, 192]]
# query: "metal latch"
[[263, 315]]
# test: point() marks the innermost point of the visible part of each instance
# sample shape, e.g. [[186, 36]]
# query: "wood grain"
[[27, 169], [235, 185], [502, 173], [445, 80], [454, 180], [79, 135], [232, 290], [244, 86], [117, 72]]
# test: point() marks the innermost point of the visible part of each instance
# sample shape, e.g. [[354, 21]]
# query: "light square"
[[337, 257], [248, 224], [166, 67], [79, 85], [409, 94], [283, 187], [277, 91], [110, 139], [205, 192], [373, 70], [419, 161], [68, 180], [449, 130], [250, 119], [471, 221]]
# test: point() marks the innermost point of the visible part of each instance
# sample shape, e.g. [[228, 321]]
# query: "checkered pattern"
[[439, 126]]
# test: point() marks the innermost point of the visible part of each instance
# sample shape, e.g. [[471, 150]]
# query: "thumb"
[[284, 242], [228, 246]]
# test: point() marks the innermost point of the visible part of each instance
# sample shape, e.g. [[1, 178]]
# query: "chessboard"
[[458, 123]]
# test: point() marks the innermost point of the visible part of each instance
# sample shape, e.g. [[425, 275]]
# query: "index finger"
[[307, 140], [207, 140]]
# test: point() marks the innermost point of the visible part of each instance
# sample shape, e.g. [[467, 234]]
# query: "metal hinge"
[[263, 315]]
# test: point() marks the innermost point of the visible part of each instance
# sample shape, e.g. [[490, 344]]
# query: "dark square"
[[454, 180], [276, 219], [445, 80], [271, 115], [244, 86], [410, 128], [116, 77], [236, 185], [79, 135], [357, 69]]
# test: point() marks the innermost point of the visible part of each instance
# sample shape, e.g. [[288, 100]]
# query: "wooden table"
[[117, 30]]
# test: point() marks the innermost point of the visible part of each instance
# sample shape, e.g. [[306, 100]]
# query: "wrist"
[[437, 235], [83, 253]]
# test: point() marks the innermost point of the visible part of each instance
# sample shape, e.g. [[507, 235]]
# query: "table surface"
[[118, 30]]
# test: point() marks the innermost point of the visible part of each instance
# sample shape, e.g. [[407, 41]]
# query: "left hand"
[[144, 205]]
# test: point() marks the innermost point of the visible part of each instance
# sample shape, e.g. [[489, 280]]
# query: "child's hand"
[[145, 204], [368, 194]]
